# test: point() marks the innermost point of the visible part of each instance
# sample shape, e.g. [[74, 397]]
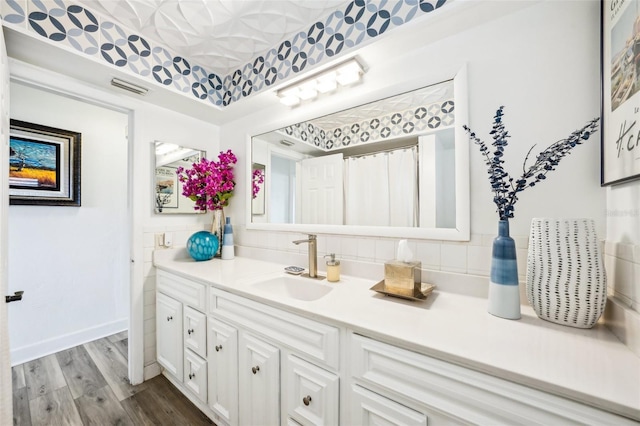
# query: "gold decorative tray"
[[425, 291]]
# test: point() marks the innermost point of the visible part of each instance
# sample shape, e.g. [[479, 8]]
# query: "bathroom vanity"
[[251, 345]]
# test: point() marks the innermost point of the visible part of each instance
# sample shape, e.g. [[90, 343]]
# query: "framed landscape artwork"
[[44, 165], [620, 148]]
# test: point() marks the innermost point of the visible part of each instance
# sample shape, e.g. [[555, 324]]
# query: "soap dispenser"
[[228, 251], [333, 268]]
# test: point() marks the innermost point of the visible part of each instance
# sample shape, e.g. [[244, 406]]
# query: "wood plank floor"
[[88, 385]]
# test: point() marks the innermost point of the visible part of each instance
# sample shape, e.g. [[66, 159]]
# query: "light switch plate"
[[168, 239]]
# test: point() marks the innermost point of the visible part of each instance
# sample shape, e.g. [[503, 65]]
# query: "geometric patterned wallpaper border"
[[418, 120], [87, 33]]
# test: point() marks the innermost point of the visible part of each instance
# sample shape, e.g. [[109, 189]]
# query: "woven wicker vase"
[[566, 280]]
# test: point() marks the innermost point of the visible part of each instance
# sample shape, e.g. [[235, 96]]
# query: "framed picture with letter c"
[[620, 47], [44, 165]]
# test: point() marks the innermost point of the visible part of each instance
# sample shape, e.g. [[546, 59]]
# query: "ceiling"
[[219, 35], [225, 33]]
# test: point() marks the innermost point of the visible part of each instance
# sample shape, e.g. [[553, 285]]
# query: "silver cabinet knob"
[[255, 369], [190, 331], [306, 400], [218, 348], [169, 318]]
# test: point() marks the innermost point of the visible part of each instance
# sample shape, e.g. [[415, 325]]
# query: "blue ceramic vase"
[[504, 293], [202, 245]]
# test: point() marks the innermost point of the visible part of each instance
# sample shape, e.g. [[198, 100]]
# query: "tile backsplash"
[[468, 257]]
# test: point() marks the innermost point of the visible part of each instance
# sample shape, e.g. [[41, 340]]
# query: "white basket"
[[566, 280]]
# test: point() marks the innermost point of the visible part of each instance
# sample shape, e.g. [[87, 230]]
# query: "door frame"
[[29, 75]]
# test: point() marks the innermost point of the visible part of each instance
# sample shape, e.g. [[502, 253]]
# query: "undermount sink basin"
[[295, 288]]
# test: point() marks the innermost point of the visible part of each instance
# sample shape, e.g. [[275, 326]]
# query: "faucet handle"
[[312, 236]]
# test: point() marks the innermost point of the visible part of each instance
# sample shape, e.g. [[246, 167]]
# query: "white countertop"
[[591, 366]]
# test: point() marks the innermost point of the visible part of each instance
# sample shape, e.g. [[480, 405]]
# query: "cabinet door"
[[311, 393], [368, 408], [259, 375], [195, 331], [169, 334], [223, 370], [195, 374]]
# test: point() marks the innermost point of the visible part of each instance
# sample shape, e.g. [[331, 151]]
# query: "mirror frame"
[[462, 231]]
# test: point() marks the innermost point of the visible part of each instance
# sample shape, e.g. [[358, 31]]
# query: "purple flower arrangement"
[[257, 179], [209, 183], [504, 187]]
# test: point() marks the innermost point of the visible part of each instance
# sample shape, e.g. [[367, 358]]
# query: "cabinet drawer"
[[369, 408], [460, 394], [312, 393], [318, 341], [195, 331], [195, 375], [188, 292]]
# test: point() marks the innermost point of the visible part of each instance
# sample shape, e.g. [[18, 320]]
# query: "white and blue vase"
[[504, 293]]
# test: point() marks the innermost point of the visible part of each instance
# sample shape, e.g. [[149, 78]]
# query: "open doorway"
[[72, 262]]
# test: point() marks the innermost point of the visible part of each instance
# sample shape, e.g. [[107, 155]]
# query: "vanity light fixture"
[[344, 74], [286, 142], [130, 87]]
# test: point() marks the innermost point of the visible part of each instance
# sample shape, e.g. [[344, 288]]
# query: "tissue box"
[[403, 278]]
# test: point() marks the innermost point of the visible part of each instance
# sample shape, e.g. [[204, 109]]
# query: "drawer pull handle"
[[218, 348], [255, 369], [169, 318], [190, 331], [307, 400], [192, 376]]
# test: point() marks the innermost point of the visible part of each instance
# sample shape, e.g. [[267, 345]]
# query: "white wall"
[[542, 63], [71, 262]]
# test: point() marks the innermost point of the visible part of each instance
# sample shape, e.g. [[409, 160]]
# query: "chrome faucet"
[[313, 255]]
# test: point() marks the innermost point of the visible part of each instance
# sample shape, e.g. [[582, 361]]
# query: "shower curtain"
[[382, 189], [6, 404]]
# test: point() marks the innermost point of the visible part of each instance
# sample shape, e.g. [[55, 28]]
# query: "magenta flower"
[[209, 183], [257, 179]]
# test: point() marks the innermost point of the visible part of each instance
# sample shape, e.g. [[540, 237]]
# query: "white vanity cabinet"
[[246, 361], [181, 331], [287, 365], [391, 385]]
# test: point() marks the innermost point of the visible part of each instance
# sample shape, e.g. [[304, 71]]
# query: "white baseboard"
[[60, 343], [151, 371]]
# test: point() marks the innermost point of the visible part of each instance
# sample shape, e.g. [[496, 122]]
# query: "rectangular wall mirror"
[[167, 189], [394, 167]]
